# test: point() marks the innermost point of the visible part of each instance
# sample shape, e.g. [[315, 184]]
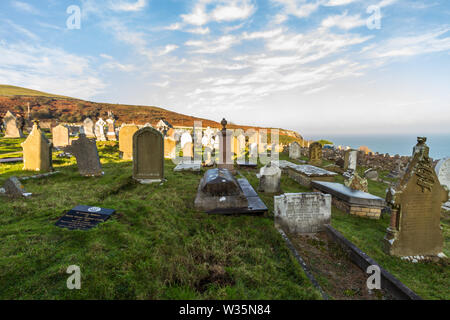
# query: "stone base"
[[305, 180], [361, 211]]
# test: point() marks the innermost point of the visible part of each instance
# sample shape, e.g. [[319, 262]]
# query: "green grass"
[[155, 247], [6, 90]]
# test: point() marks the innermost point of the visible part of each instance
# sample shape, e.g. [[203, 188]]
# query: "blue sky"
[[309, 65]]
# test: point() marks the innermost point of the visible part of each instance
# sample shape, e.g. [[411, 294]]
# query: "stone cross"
[[315, 154], [100, 130]]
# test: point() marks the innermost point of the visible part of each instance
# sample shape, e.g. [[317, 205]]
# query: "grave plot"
[[337, 275]]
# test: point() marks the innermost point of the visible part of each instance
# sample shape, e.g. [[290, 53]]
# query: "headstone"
[[295, 150], [60, 135], [86, 153], [270, 178], [88, 126], [12, 128], [185, 138], [126, 141], [148, 155], [315, 154], [188, 151], [443, 172], [84, 218], [37, 151], [100, 130], [14, 189], [350, 160], [111, 134], [416, 201], [170, 148], [303, 212], [371, 174]]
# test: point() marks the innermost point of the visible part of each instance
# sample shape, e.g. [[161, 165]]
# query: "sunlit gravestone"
[[37, 151], [60, 135], [126, 141], [12, 128], [86, 153], [148, 155], [416, 202]]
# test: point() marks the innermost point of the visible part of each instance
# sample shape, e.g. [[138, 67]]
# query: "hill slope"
[[51, 107]]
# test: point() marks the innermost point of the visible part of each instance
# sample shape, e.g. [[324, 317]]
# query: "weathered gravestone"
[[416, 202], [148, 155], [350, 160], [12, 128], [88, 126], [86, 153], [188, 151], [270, 178], [37, 151], [14, 189], [84, 218], [220, 192], [100, 130], [315, 154], [170, 148], [303, 212], [60, 136], [126, 141], [295, 151]]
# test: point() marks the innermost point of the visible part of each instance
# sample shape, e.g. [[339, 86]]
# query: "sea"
[[393, 144]]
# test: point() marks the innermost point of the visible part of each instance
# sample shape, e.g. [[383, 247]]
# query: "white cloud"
[[198, 30], [128, 6], [333, 3], [48, 69], [299, 8], [167, 49], [224, 11], [21, 30], [23, 6], [412, 45], [221, 44], [344, 21]]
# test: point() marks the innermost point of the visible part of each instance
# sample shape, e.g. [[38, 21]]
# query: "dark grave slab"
[[11, 160], [84, 217]]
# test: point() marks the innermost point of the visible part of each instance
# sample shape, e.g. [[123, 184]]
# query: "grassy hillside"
[[48, 107], [6, 90]]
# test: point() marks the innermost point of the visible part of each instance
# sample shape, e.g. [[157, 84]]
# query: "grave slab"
[[84, 217]]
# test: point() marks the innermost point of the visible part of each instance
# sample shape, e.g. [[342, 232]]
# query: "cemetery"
[[142, 226]]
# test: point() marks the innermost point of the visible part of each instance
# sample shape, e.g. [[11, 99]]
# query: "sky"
[[320, 67]]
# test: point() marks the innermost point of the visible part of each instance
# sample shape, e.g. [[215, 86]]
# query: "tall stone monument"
[[315, 154], [416, 202], [111, 134], [126, 141], [60, 136], [225, 156], [86, 153], [12, 127], [37, 151], [148, 155], [350, 160]]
